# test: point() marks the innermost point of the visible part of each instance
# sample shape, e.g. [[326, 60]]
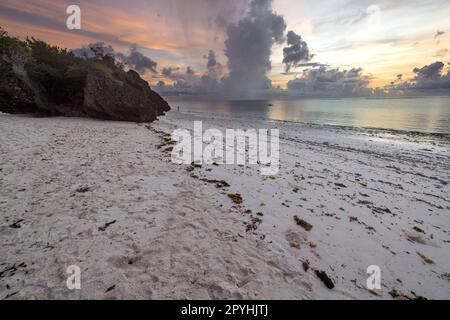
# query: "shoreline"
[[176, 235]]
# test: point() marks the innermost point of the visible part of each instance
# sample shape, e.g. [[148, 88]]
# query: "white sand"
[[176, 236]]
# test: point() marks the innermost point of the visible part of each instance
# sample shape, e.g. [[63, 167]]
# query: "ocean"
[[418, 114]]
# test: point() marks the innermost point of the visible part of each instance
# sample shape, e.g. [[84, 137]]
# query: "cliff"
[[40, 79]]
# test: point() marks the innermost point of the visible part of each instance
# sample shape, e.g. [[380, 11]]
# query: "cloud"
[[134, 59], [137, 61], [312, 65], [185, 81], [169, 71], [191, 82], [212, 62], [94, 50], [248, 49], [431, 77], [325, 82], [428, 72], [439, 33], [296, 52], [442, 53], [428, 79]]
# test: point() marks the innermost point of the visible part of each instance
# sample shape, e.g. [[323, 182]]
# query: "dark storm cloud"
[[168, 71], [186, 81], [212, 61], [134, 59], [431, 77], [431, 71], [296, 51], [325, 82], [191, 82], [249, 46], [428, 79], [137, 61]]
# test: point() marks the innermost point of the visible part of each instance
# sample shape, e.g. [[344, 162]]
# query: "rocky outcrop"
[[16, 96], [110, 94], [121, 97]]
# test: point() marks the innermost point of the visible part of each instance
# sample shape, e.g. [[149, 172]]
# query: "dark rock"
[[125, 97], [305, 225], [110, 288], [325, 279], [106, 225], [82, 189], [16, 225], [101, 92]]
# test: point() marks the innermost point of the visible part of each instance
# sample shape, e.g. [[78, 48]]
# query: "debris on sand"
[[296, 239], [340, 185], [295, 245], [10, 271], [305, 265], [359, 286], [419, 230], [16, 225], [381, 210], [325, 279], [399, 295], [253, 224], [196, 165], [110, 288], [305, 225], [167, 141], [445, 276], [415, 238], [219, 183], [424, 258], [106, 225], [236, 198], [83, 189]]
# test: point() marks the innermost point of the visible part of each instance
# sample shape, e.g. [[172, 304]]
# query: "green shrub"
[[57, 70], [10, 46]]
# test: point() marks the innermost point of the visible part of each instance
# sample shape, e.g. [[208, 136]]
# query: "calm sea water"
[[424, 114]]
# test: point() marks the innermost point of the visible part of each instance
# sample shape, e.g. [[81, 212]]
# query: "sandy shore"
[[103, 196]]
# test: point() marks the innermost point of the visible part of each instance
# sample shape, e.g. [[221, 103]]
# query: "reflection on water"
[[425, 114]]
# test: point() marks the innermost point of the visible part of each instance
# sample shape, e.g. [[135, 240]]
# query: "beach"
[[106, 197]]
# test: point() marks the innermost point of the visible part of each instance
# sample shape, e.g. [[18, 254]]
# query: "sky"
[[239, 46]]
